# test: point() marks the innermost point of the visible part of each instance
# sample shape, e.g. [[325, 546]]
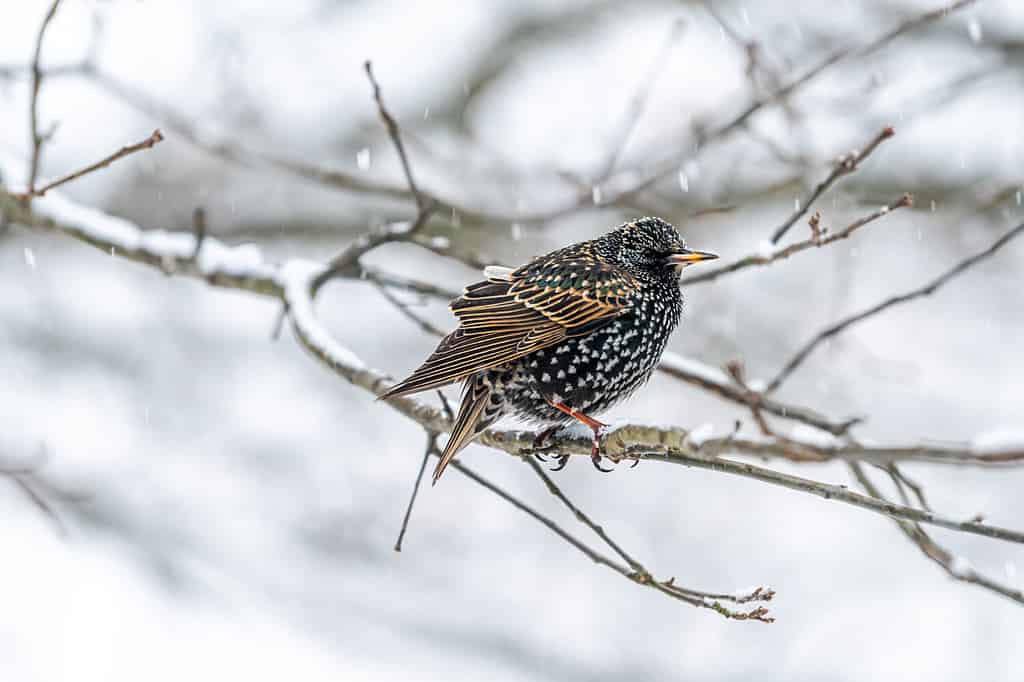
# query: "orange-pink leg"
[[596, 426]]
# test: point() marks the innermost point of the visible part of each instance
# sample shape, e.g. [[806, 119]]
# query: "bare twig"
[[845, 165], [637, 103], [901, 480], [396, 138], [347, 261], [636, 572], [38, 139], [425, 206], [957, 568], [714, 380], [580, 516], [403, 308], [26, 479], [427, 451], [738, 374], [632, 183], [590, 553], [40, 502], [148, 143], [816, 240], [670, 164], [750, 48], [415, 286], [198, 229], [926, 290]]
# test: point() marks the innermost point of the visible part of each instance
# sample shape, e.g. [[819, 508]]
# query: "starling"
[[562, 338]]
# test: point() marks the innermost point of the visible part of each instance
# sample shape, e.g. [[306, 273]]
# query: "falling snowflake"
[[974, 30], [363, 158], [684, 181]]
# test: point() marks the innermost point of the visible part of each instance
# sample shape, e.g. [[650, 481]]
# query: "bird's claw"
[[562, 461], [595, 451], [539, 442]]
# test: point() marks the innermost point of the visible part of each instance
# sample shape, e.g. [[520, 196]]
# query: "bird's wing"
[[516, 312]]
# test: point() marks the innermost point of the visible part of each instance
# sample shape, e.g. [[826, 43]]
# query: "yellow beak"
[[688, 256]]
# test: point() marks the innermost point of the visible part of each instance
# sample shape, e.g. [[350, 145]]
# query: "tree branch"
[[292, 281], [396, 138], [425, 206], [716, 381], [817, 239], [956, 567], [670, 164], [926, 290], [846, 164], [638, 574], [430, 449], [147, 143], [638, 103], [38, 139], [631, 180]]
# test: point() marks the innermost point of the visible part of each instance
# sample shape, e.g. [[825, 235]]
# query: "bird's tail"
[[478, 410]]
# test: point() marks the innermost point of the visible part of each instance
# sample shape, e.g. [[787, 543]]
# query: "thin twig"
[[581, 516], [750, 48], [198, 230], [40, 503], [148, 143], [415, 286], [449, 413], [926, 290], [957, 568], [670, 164], [816, 240], [901, 480], [590, 553], [38, 139], [347, 261], [404, 309], [239, 154], [638, 103], [425, 206], [396, 138], [845, 165], [430, 448], [707, 600], [715, 381]]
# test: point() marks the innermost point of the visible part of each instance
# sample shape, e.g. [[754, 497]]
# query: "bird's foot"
[[562, 461], [540, 442], [595, 446]]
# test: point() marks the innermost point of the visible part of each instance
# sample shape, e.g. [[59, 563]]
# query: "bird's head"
[[649, 246]]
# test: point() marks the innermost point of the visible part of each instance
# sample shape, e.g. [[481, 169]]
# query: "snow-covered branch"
[[243, 267]]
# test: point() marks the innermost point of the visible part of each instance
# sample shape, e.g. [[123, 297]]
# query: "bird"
[[562, 338]]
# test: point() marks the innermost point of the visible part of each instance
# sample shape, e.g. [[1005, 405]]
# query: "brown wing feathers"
[[514, 313]]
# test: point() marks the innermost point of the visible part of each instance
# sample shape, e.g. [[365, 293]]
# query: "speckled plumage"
[[565, 336]]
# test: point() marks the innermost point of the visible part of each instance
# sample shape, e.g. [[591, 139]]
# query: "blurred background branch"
[[533, 128]]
